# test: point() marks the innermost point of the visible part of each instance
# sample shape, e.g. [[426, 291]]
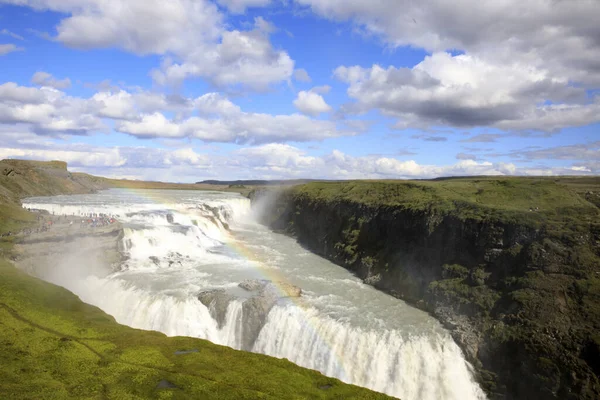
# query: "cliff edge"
[[510, 265]]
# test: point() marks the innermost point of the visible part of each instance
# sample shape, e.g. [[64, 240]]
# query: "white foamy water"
[[181, 243]]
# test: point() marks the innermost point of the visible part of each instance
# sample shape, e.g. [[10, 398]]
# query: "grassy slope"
[[54, 346], [502, 198]]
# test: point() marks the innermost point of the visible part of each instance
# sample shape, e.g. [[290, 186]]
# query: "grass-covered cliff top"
[[519, 198]]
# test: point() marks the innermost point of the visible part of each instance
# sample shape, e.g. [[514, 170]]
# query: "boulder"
[[217, 301], [254, 309], [252, 285]]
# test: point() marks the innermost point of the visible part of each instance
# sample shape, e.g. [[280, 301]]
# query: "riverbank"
[[54, 345], [511, 266]]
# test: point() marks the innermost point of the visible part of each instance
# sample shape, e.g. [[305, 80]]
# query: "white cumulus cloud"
[[311, 103], [190, 34]]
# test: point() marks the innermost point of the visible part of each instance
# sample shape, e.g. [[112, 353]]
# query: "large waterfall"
[[198, 265]]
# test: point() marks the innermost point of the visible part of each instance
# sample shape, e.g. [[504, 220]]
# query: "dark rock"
[[155, 260], [252, 285], [254, 309], [165, 384], [217, 301], [182, 352]]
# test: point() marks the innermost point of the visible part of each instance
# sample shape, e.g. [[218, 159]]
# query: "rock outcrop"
[[67, 250], [263, 295]]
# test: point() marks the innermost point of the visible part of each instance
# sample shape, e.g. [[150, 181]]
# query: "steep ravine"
[[521, 300]]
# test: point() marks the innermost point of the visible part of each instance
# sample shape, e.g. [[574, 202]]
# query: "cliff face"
[[521, 298]]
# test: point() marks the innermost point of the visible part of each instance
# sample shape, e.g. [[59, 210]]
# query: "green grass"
[[507, 198]]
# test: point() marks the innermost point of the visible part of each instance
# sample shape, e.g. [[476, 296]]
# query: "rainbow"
[[264, 271]]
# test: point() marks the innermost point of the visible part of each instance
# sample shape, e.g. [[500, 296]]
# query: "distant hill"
[[259, 182]]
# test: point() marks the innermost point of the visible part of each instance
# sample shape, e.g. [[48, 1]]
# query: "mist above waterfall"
[[180, 244]]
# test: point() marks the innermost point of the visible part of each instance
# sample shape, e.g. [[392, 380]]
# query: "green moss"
[[457, 291], [455, 271]]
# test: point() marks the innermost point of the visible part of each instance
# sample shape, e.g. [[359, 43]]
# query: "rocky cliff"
[[510, 266]]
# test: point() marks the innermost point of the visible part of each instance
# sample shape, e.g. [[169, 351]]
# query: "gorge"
[[197, 264], [507, 265]]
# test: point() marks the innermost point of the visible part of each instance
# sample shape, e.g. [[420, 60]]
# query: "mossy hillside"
[[52, 345]]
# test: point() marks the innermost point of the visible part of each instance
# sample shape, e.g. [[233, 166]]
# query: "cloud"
[[321, 89], [520, 66], [284, 161], [187, 156], [219, 120], [11, 34], [269, 161], [240, 6], [241, 128], [9, 48], [45, 79], [190, 34], [277, 157], [483, 138], [465, 156], [210, 117], [434, 138], [578, 152], [301, 75], [99, 158], [553, 118], [311, 103], [151, 126], [531, 33], [242, 58], [47, 110], [466, 91]]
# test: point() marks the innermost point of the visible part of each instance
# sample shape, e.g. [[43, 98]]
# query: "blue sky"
[[190, 90]]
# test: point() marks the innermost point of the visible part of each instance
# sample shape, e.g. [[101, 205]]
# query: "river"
[[182, 243]]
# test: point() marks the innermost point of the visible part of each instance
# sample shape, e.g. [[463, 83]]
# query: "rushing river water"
[[182, 243]]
